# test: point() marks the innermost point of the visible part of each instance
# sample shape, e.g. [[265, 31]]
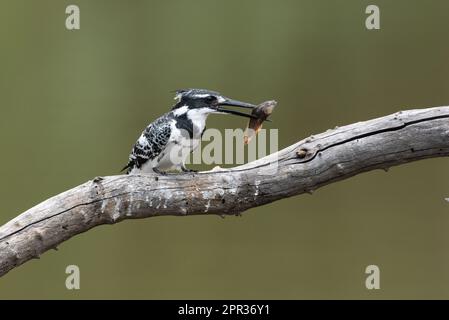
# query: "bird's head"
[[206, 101]]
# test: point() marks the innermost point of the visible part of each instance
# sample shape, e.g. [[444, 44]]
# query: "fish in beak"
[[235, 103], [261, 113]]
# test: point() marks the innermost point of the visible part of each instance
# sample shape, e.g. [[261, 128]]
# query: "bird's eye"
[[211, 99]]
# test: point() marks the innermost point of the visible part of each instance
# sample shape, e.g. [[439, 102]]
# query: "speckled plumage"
[[151, 142]]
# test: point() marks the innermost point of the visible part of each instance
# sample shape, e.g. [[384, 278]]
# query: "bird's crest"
[[193, 92]]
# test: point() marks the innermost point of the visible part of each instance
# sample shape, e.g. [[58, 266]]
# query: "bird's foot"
[[185, 170], [163, 173]]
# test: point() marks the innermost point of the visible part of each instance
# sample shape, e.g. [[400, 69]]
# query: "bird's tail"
[[127, 168]]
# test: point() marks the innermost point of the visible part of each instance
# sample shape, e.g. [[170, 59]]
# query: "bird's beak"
[[235, 103]]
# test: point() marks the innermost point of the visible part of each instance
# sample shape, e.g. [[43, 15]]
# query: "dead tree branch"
[[311, 163]]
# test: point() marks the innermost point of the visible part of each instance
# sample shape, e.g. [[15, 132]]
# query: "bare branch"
[[303, 167]]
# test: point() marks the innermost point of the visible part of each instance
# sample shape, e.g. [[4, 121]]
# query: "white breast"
[[180, 145], [198, 118]]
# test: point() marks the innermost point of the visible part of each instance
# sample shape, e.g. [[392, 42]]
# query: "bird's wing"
[[150, 143]]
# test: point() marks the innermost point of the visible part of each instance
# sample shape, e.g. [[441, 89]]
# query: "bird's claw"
[[185, 170], [162, 173]]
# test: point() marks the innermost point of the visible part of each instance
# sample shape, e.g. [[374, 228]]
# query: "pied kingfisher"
[[166, 143]]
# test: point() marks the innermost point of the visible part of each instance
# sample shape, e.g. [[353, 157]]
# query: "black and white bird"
[[165, 143]]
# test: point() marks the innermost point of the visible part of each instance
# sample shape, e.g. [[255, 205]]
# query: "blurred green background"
[[73, 103]]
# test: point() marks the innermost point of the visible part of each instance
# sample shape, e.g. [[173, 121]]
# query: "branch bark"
[[311, 163]]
